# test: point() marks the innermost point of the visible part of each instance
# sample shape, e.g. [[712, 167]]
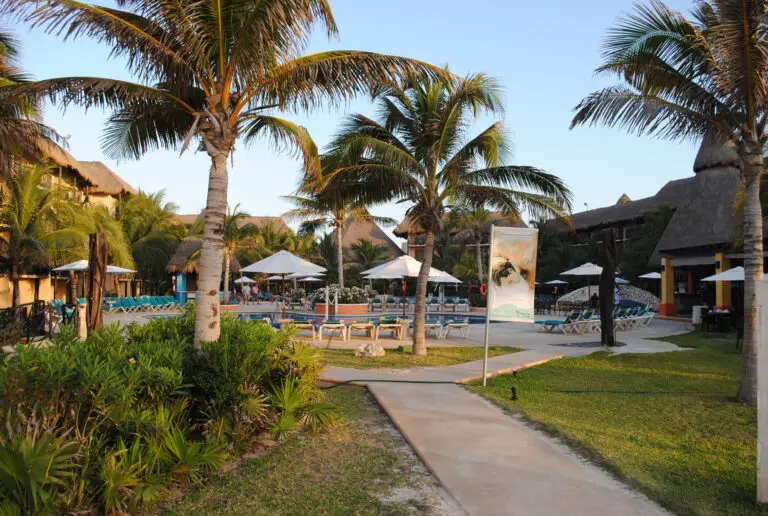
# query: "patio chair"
[[411, 304], [375, 304], [586, 323], [433, 305], [566, 327], [365, 326], [462, 327], [332, 325], [435, 326], [305, 325], [462, 305], [392, 303], [393, 325], [450, 304]]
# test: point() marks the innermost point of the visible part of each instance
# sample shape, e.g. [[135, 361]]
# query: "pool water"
[[471, 319]]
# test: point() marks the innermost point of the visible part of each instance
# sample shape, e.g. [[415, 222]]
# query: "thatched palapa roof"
[[98, 177], [354, 231]]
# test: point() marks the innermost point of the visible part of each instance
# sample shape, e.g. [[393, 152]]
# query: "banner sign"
[[512, 274]]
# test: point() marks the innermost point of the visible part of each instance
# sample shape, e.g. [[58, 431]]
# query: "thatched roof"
[[179, 259], [103, 179], [497, 219], [99, 177], [278, 223], [354, 231], [715, 152], [669, 195]]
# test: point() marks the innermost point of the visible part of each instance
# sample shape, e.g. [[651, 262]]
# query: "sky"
[[544, 55]]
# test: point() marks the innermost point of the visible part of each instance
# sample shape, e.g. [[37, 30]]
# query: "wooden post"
[[761, 301], [722, 288], [607, 286], [97, 267], [667, 306]]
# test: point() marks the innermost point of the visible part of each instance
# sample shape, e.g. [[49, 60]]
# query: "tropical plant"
[[326, 205], [22, 132], [418, 152], [29, 223], [326, 255], [346, 295], [214, 73], [237, 235], [152, 232], [365, 254], [268, 240], [703, 77], [471, 223]]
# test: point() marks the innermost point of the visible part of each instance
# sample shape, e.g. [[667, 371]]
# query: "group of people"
[[250, 293]]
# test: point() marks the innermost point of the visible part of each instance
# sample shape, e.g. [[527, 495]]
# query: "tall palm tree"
[[238, 234], [328, 206], [28, 223], [419, 151], [470, 223], [151, 229], [215, 73], [22, 132], [693, 78]]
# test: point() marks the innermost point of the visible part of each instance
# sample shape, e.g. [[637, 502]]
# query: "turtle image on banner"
[[512, 274]]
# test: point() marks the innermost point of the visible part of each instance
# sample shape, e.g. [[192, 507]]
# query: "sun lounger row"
[[373, 328], [433, 304], [139, 304], [584, 321]]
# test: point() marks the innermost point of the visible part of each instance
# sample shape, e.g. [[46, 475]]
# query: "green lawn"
[[337, 471], [402, 357], [665, 423]]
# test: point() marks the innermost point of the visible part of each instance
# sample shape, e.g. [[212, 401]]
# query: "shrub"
[[347, 295], [120, 417], [478, 300]]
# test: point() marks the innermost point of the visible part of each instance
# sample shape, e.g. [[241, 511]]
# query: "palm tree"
[[152, 232], [328, 206], [326, 255], [365, 254], [214, 73], [22, 133], [238, 235], [28, 223], [470, 223], [418, 152], [693, 78]]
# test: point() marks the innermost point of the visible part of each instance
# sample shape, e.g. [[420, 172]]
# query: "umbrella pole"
[[405, 301], [282, 296]]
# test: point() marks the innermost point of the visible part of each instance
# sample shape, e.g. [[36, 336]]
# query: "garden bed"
[[666, 423], [359, 466]]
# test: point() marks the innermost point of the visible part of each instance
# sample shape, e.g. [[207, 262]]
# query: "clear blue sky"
[[543, 53]]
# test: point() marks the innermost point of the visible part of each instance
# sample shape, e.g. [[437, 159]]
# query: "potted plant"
[[352, 300]]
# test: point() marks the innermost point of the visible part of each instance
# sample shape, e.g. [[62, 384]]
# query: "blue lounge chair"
[[565, 327]]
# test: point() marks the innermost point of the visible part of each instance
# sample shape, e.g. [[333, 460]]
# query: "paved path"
[[491, 462]]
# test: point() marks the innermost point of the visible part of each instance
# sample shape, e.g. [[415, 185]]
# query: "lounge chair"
[[305, 325], [375, 304], [462, 305], [433, 305], [435, 326], [392, 303], [389, 324], [450, 304], [565, 327], [367, 327], [333, 325], [462, 327]]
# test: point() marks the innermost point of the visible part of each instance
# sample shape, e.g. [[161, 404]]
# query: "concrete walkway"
[[493, 463]]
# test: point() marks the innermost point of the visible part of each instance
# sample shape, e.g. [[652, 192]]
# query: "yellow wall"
[[103, 200], [27, 287], [722, 288]]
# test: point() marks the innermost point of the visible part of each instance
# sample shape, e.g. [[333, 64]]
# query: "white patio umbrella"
[[284, 263], [556, 282], [82, 265], [303, 274], [274, 278], [311, 279], [587, 269], [401, 267], [651, 275], [621, 281], [735, 274], [245, 279]]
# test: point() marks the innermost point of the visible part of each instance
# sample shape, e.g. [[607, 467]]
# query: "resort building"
[[416, 239], [700, 239], [85, 181], [355, 231], [184, 271]]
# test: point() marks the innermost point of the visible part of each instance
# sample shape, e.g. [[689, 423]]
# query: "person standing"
[[256, 294], [246, 293]]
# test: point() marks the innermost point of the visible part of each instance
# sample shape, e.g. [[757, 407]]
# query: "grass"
[[402, 357], [666, 423], [336, 471]]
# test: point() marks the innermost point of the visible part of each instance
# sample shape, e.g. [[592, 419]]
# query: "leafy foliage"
[[110, 423], [347, 295]]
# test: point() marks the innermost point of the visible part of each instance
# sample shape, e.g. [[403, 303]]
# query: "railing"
[[25, 321]]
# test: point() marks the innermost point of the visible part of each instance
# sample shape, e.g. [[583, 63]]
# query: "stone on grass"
[[369, 350]]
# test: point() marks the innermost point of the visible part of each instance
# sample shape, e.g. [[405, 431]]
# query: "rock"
[[369, 350]]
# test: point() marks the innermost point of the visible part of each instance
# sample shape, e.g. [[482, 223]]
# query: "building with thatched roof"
[[700, 237], [185, 273], [90, 181], [411, 231], [353, 232]]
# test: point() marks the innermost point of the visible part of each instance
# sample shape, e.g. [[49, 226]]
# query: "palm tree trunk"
[[340, 257], [72, 287], [14, 273], [753, 268], [479, 257], [227, 259], [420, 310], [207, 321]]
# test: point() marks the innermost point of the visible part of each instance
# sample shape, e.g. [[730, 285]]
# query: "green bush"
[[119, 418], [478, 300]]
